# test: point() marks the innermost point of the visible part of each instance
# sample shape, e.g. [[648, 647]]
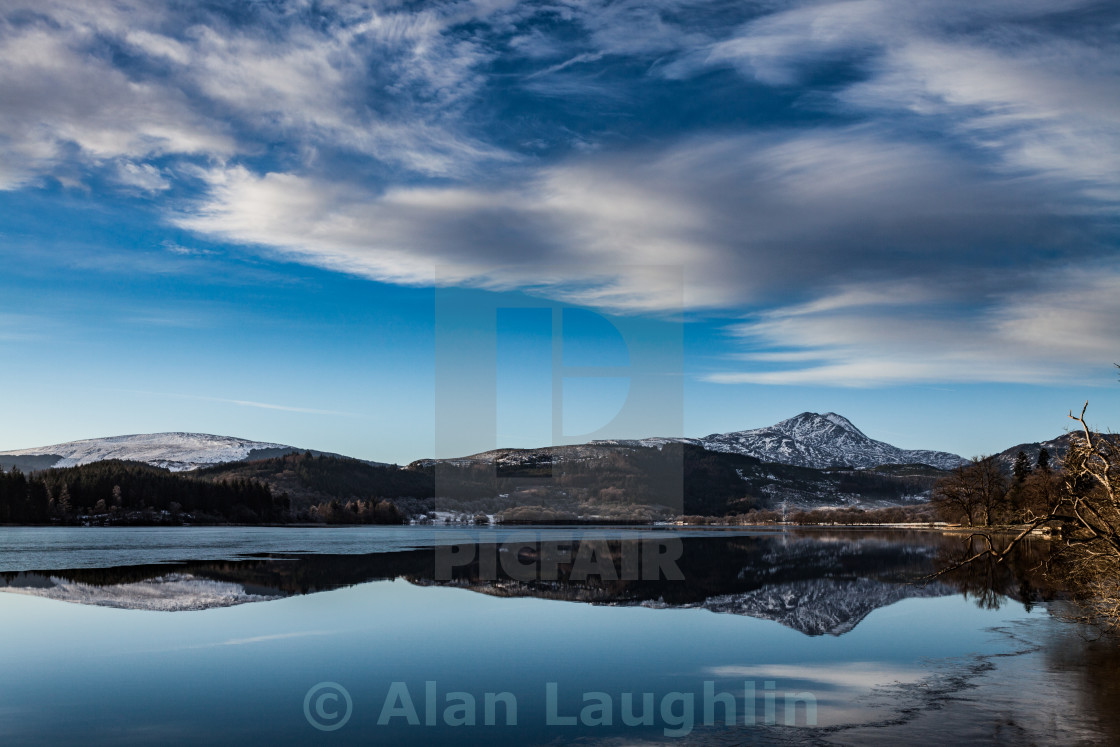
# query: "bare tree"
[[975, 493], [991, 487], [1084, 506], [955, 498], [1092, 481]]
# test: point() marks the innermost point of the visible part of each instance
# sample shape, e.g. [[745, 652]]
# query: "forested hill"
[[590, 477], [580, 481], [131, 492], [309, 479]]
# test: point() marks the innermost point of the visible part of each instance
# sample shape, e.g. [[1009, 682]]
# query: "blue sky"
[[236, 217]]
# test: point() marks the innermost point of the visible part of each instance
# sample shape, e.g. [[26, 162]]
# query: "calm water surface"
[[271, 635]]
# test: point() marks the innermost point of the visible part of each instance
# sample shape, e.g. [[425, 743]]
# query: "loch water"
[[535, 635]]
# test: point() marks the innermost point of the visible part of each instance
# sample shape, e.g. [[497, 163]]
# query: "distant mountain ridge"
[[178, 452], [806, 440], [812, 440], [823, 606], [1055, 447]]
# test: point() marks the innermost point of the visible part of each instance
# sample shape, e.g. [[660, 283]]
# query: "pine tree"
[[63, 503], [1043, 462], [1022, 467]]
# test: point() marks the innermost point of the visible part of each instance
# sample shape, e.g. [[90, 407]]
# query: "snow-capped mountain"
[[817, 606], [814, 440], [174, 592], [820, 441], [177, 452]]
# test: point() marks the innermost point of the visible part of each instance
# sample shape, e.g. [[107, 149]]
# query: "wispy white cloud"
[[841, 690], [1007, 78], [270, 638], [956, 148], [185, 251], [383, 82], [22, 327], [553, 233], [315, 83], [577, 60], [61, 95], [848, 675], [284, 408], [1057, 328], [248, 403], [745, 220], [144, 177]]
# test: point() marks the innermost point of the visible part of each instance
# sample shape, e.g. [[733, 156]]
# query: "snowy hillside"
[[1055, 447], [814, 440], [175, 451], [176, 592], [820, 606]]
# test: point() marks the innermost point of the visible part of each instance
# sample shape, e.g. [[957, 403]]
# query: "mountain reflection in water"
[[845, 615], [819, 583]]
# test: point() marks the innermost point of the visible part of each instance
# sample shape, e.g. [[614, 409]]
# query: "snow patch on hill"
[[811, 440], [175, 592], [175, 451], [822, 441]]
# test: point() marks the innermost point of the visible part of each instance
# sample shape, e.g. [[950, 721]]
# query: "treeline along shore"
[[622, 485], [116, 492]]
